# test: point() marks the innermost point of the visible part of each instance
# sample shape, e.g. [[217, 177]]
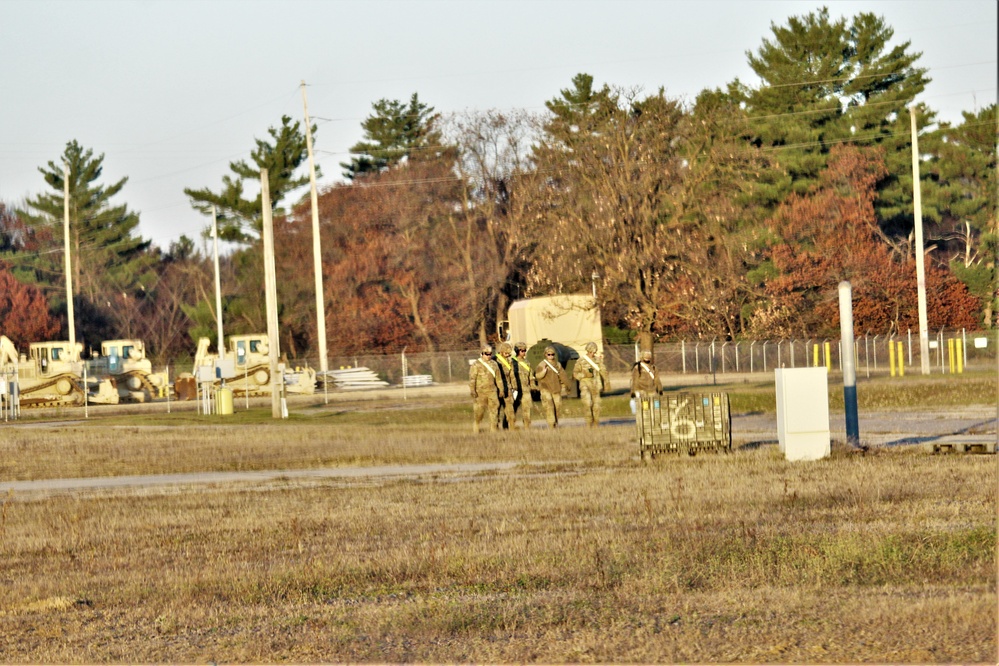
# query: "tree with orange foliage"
[[24, 311], [389, 282], [830, 234]]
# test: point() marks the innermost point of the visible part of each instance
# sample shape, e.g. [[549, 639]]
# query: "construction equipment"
[[125, 363], [247, 367], [52, 375]]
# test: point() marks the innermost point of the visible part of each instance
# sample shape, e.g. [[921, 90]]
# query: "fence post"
[[940, 353], [964, 345], [891, 356], [737, 357], [867, 356], [683, 355]]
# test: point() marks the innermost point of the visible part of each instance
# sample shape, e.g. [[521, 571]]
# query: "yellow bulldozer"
[[52, 375], [247, 367], [124, 362]]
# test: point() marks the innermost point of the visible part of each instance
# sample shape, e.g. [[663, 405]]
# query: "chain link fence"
[[876, 355]]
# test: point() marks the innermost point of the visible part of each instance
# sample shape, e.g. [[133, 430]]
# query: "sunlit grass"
[[580, 553]]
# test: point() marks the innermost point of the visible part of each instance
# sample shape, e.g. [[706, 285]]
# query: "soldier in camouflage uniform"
[[645, 377], [485, 384], [591, 373], [509, 384], [554, 385], [525, 384]]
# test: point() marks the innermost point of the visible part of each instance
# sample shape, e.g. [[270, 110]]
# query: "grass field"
[[581, 553]]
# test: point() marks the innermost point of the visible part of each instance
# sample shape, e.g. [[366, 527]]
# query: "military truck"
[[565, 321]]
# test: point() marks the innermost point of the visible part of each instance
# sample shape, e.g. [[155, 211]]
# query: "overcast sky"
[[172, 91]]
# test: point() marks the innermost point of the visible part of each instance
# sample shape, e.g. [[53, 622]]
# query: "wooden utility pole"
[[69, 272], [317, 255], [218, 283], [924, 340], [270, 295]]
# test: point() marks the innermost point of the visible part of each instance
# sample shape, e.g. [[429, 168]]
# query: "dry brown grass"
[[884, 557]]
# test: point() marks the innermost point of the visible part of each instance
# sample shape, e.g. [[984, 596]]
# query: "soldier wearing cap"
[[554, 385], [593, 380], [524, 382], [486, 385], [505, 363], [645, 377]]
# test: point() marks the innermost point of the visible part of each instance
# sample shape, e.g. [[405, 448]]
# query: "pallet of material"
[[356, 379], [417, 380]]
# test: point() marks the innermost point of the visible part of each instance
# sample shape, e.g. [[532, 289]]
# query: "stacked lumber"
[[417, 380], [356, 379]]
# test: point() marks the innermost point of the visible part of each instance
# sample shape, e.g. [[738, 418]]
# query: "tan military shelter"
[[570, 319]]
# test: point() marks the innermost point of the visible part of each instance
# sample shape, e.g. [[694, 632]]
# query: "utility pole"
[[69, 273], [924, 342], [317, 255], [218, 282], [270, 295]]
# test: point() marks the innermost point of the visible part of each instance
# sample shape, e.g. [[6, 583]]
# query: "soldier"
[[485, 384], [554, 385], [525, 384], [645, 377], [509, 385], [593, 380]]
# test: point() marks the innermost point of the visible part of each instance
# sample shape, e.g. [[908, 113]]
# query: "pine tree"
[[240, 218], [394, 132], [107, 258], [828, 82], [960, 203]]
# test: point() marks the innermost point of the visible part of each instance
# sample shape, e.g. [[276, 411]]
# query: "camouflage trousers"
[[590, 395], [506, 413], [552, 403], [522, 407], [485, 407]]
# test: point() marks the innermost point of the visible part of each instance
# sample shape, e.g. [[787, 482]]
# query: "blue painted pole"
[[849, 363]]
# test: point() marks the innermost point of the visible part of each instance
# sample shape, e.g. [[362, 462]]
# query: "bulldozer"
[[249, 363], [125, 363], [51, 375]]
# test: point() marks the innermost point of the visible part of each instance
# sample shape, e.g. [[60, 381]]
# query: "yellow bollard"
[[891, 357], [950, 354], [901, 360], [815, 355], [828, 358], [959, 349]]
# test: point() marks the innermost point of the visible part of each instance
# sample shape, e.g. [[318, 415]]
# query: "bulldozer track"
[[145, 384], [74, 397]]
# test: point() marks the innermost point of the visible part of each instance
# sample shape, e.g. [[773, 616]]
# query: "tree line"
[[732, 215]]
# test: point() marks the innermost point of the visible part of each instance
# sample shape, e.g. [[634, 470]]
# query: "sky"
[[170, 92]]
